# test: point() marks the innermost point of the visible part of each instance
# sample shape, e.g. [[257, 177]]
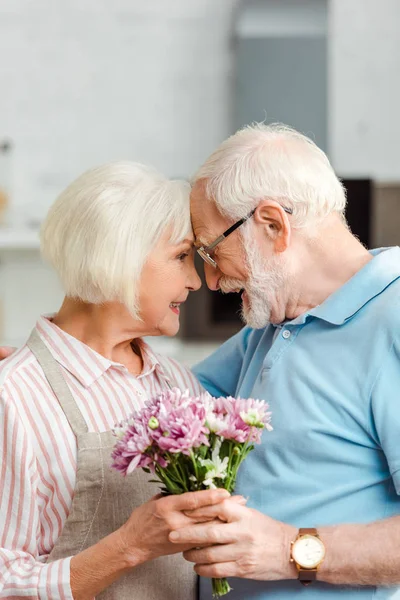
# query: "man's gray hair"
[[101, 229], [277, 162]]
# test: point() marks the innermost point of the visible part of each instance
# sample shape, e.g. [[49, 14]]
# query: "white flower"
[[119, 432], [214, 423], [252, 417], [216, 468]]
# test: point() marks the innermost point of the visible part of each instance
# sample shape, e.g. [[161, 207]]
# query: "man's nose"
[[212, 275]]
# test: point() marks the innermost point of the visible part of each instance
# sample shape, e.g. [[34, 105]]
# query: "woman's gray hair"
[[101, 229], [276, 162]]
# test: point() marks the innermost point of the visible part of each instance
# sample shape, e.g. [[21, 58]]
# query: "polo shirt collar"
[[366, 284]]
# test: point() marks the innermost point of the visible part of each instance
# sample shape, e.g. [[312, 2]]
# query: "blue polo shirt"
[[332, 380]]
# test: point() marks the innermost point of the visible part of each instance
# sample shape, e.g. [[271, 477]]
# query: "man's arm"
[[254, 546], [362, 554], [219, 373]]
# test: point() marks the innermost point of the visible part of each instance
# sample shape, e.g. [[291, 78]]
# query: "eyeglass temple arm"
[[230, 230], [238, 224]]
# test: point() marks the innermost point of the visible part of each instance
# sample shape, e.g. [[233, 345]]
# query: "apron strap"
[[55, 377]]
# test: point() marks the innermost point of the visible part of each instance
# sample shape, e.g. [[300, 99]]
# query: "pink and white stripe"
[[38, 449]]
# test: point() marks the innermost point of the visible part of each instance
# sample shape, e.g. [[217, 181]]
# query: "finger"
[[218, 570], [6, 351], [236, 499], [205, 534], [196, 500], [213, 554], [202, 520], [228, 511]]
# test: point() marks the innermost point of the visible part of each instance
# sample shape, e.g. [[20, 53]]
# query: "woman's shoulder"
[[178, 374], [14, 365]]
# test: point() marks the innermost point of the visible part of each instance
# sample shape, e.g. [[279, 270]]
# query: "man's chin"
[[253, 320]]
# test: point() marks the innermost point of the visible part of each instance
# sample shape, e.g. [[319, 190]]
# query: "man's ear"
[[270, 215]]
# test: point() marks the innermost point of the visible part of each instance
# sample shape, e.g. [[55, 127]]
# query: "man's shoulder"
[[385, 307]]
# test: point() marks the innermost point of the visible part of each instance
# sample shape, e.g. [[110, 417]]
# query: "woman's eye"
[[183, 256]]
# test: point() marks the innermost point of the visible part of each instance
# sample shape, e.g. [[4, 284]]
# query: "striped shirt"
[[38, 451]]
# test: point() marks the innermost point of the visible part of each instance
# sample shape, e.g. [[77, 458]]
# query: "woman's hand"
[[6, 351], [145, 535]]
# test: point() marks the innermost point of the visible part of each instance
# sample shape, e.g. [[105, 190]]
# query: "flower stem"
[[196, 473], [220, 587]]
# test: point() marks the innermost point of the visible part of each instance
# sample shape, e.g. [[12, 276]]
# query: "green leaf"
[[202, 451]]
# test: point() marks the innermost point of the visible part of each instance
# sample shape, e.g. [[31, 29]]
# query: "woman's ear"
[[270, 215]]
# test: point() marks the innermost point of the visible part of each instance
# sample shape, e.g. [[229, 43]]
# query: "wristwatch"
[[307, 553]]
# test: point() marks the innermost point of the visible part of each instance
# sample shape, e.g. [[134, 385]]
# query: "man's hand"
[[146, 533], [6, 351], [245, 544]]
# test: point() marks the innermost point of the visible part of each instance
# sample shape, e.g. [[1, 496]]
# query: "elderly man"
[[322, 345]]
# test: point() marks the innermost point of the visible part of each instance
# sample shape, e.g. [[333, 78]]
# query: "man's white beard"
[[266, 279]]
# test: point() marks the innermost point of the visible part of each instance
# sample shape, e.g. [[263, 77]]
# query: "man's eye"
[[183, 256]]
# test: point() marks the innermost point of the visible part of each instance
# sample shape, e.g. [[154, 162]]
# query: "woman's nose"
[[194, 279]]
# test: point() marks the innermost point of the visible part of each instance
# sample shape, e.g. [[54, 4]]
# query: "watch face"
[[308, 551]]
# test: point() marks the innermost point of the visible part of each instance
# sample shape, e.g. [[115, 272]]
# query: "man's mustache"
[[228, 285]]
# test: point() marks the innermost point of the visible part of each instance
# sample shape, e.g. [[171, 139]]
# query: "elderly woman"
[[120, 240]]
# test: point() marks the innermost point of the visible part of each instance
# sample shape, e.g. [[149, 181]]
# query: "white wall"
[[88, 81], [364, 88]]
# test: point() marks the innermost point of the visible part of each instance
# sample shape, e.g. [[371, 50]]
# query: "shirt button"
[[286, 334]]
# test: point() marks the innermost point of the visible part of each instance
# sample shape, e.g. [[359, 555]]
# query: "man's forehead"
[[205, 232], [206, 221]]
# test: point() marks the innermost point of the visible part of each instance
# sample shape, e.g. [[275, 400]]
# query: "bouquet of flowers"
[[191, 443]]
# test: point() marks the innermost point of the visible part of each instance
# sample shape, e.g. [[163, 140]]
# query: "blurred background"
[[164, 82]]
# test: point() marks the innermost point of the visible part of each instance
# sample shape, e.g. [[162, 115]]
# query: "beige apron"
[[103, 501]]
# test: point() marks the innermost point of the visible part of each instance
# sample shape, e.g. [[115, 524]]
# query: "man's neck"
[[326, 264]]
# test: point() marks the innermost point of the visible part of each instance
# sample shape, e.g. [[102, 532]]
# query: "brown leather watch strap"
[[307, 576], [308, 531]]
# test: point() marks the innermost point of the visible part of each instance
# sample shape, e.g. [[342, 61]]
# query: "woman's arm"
[[144, 536], [23, 573]]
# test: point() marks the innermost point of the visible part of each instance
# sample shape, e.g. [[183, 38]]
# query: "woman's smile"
[[175, 307]]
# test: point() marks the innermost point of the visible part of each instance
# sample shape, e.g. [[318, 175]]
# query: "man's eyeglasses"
[[204, 251]]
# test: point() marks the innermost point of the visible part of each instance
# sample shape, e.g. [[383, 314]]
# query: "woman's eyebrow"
[[187, 242], [190, 242]]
